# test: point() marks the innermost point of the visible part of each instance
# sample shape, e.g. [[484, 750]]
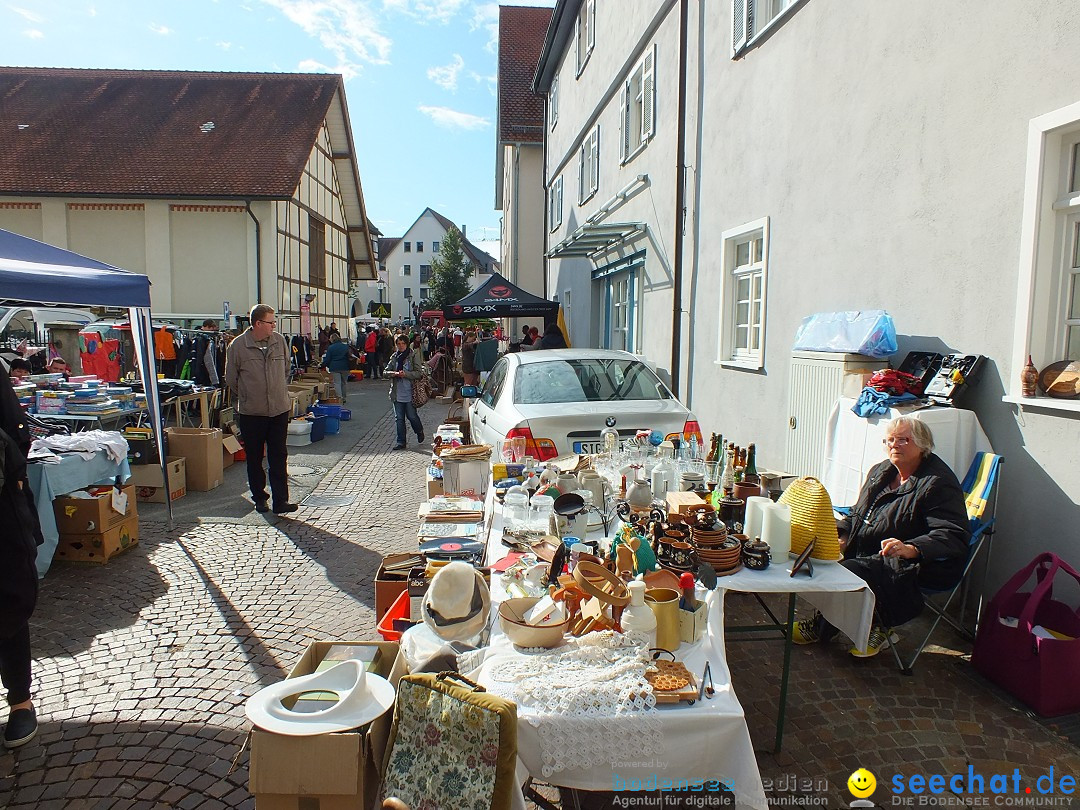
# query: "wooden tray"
[[686, 694]]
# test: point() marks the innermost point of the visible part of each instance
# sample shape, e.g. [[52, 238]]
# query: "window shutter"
[[554, 101], [578, 45], [581, 169], [591, 24], [595, 159], [648, 95], [624, 121], [559, 203], [750, 16], [738, 25]]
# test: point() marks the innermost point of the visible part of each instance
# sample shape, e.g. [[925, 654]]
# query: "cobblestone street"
[[142, 666]]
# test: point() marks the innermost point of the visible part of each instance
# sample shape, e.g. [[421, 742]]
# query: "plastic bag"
[[870, 332]]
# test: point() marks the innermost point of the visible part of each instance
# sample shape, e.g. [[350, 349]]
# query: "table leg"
[[204, 410], [788, 643]]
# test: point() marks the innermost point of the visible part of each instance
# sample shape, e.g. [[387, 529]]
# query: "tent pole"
[[142, 333]]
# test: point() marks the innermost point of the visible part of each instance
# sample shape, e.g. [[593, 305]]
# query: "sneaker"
[[879, 641], [22, 727], [808, 631], [284, 508], [262, 506]]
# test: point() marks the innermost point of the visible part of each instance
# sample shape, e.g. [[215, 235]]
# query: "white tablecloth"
[[708, 741], [853, 444]]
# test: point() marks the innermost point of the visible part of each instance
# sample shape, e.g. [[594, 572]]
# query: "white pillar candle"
[[755, 516], [776, 530]]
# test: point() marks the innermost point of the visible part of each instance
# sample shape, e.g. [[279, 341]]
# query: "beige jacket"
[[259, 376]]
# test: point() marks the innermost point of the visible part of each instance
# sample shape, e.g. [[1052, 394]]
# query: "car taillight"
[[540, 449], [692, 428]]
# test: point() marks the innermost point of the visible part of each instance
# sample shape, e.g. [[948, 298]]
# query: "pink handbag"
[[1038, 667]]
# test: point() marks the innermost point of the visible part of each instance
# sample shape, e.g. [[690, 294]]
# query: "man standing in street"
[[256, 369]]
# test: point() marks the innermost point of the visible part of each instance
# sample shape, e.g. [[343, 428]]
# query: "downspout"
[[680, 205], [516, 197], [258, 252]]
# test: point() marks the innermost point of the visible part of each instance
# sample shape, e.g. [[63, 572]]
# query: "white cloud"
[[453, 119], [347, 69], [446, 76], [164, 30], [27, 15], [438, 11], [223, 45], [349, 29], [33, 33], [91, 11], [486, 17]]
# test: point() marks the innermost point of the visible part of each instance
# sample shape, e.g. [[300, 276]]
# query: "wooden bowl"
[[512, 621]]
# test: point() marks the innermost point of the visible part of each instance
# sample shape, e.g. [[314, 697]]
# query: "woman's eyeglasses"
[[896, 441]]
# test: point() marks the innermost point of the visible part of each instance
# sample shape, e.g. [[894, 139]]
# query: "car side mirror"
[[469, 391]]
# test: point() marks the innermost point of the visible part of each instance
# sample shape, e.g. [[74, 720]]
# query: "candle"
[[776, 530], [755, 516]]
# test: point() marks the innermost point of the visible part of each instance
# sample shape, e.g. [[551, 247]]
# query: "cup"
[[665, 607]]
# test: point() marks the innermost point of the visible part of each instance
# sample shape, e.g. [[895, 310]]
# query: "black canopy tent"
[[498, 298]]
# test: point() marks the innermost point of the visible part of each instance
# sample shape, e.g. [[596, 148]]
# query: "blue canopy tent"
[[34, 271]]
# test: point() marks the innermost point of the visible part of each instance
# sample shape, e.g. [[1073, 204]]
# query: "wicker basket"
[[812, 517]]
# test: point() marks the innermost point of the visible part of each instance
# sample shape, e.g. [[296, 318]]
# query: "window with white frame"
[[407, 292], [553, 103], [406, 270], [745, 256], [589, 165], [585, 35], [408, 247], [419, 247], [434, 247], [1048, 291], [639, 106], [749, 18], [555, 203]]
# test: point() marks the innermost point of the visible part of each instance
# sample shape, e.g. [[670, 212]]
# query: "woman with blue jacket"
[[336, 361], [404, 367]]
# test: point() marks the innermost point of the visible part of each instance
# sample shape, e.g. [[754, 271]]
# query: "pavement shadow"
[[349, 565], [80, 601]]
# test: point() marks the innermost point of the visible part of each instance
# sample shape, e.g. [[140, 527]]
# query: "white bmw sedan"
[[560, 399]]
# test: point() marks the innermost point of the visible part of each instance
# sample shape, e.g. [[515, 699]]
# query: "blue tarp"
[[33, 271]]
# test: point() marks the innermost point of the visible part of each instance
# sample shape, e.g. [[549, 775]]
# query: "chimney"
[[464, 232]]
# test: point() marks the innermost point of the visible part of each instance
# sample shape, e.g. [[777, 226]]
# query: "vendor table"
[[853, 444], [50, 480], [112, 421], [708, 741], [844, 600]]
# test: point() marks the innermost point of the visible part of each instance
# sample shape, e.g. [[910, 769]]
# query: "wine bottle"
[[750, 474], [727, 480], [714, 450]]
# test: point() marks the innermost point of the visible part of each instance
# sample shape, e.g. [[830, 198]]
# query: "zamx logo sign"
[[487, 308], [500, 292]]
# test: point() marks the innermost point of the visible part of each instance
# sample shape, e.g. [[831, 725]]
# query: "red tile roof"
[[158, 133], [521, 38]]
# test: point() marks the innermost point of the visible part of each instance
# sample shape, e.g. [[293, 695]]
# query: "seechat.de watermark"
[[970, 788]]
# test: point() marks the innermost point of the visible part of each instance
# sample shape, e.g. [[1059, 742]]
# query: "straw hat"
[[812, 516], [362, 697], [457, 602]]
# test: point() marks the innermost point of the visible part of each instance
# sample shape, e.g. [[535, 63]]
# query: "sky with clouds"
[[419, 77]]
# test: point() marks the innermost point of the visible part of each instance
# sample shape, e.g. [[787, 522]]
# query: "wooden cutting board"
[[1061, 380]]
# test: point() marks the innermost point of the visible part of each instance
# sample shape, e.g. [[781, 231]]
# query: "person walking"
[[386, 348], [336, 361], [18, 574], [256, 369], [403, 368], [371, 354]]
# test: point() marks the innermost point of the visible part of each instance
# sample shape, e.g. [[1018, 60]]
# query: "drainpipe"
[[680, 205], [258, 252]]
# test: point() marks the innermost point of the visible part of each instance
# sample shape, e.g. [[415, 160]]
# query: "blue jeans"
[[407, 409]]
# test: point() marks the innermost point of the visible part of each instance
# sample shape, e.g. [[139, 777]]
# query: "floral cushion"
[[452, 748]]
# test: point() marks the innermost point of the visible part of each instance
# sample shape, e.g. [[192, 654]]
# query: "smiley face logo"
[[861, 783]]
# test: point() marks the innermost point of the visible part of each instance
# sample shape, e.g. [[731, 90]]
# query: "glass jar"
[[541, 508]]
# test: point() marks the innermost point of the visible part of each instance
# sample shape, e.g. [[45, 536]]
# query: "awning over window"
[[589, 239]]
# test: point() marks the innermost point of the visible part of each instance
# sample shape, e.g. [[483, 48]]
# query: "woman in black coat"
[[18, 574], [908, 529]]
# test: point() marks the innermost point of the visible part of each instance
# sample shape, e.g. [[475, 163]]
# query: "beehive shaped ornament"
[[812, 516]]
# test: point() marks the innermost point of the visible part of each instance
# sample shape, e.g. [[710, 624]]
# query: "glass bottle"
[[638, 618], [714, 448], [750, 474], [727, 480]]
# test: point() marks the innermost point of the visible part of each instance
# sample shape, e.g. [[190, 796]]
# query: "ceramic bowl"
[[512, 621]]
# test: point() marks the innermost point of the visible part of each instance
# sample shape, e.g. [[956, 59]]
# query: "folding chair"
[[980, 489]]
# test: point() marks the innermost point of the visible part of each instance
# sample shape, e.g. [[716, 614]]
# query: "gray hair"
[[920, 433]]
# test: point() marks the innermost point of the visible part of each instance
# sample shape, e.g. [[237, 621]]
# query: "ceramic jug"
[[567, 482], [596, 484]]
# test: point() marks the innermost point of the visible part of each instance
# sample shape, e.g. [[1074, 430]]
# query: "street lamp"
[[408, 304]]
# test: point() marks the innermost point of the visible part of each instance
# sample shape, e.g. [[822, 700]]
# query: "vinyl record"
[[452, 548]]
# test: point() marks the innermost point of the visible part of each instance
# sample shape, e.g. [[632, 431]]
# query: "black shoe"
[[421, 438], [398, 447], [262, 506], [21, 728], [284, 508]]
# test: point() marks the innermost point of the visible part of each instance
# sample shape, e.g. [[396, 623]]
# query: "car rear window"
[[586, 380]]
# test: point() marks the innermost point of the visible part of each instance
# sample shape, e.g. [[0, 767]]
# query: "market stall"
[[499, 298], [34, 271]]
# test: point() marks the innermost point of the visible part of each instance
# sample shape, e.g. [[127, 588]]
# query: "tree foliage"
[[450, 271]]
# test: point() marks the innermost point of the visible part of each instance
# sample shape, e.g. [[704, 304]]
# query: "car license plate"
[[592, 448]]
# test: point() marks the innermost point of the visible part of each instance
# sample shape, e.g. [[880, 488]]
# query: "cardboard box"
[[150, 485], [91, 515], [465, 477], [225, 416], [434, 486], [201, 448], [854, 382], [683, 502], [229, 448], [692, 625], [101, 546], [390, 584], [329, 771]]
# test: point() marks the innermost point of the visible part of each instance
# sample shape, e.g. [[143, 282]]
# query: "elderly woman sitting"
[[909, 528]]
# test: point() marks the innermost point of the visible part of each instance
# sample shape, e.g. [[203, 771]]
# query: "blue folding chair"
[[980, 487]]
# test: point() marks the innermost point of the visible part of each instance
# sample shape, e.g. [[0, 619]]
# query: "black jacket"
[[927, 511]]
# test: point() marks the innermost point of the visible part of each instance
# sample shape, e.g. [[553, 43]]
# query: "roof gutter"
[[258, 252], [680, 207]]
